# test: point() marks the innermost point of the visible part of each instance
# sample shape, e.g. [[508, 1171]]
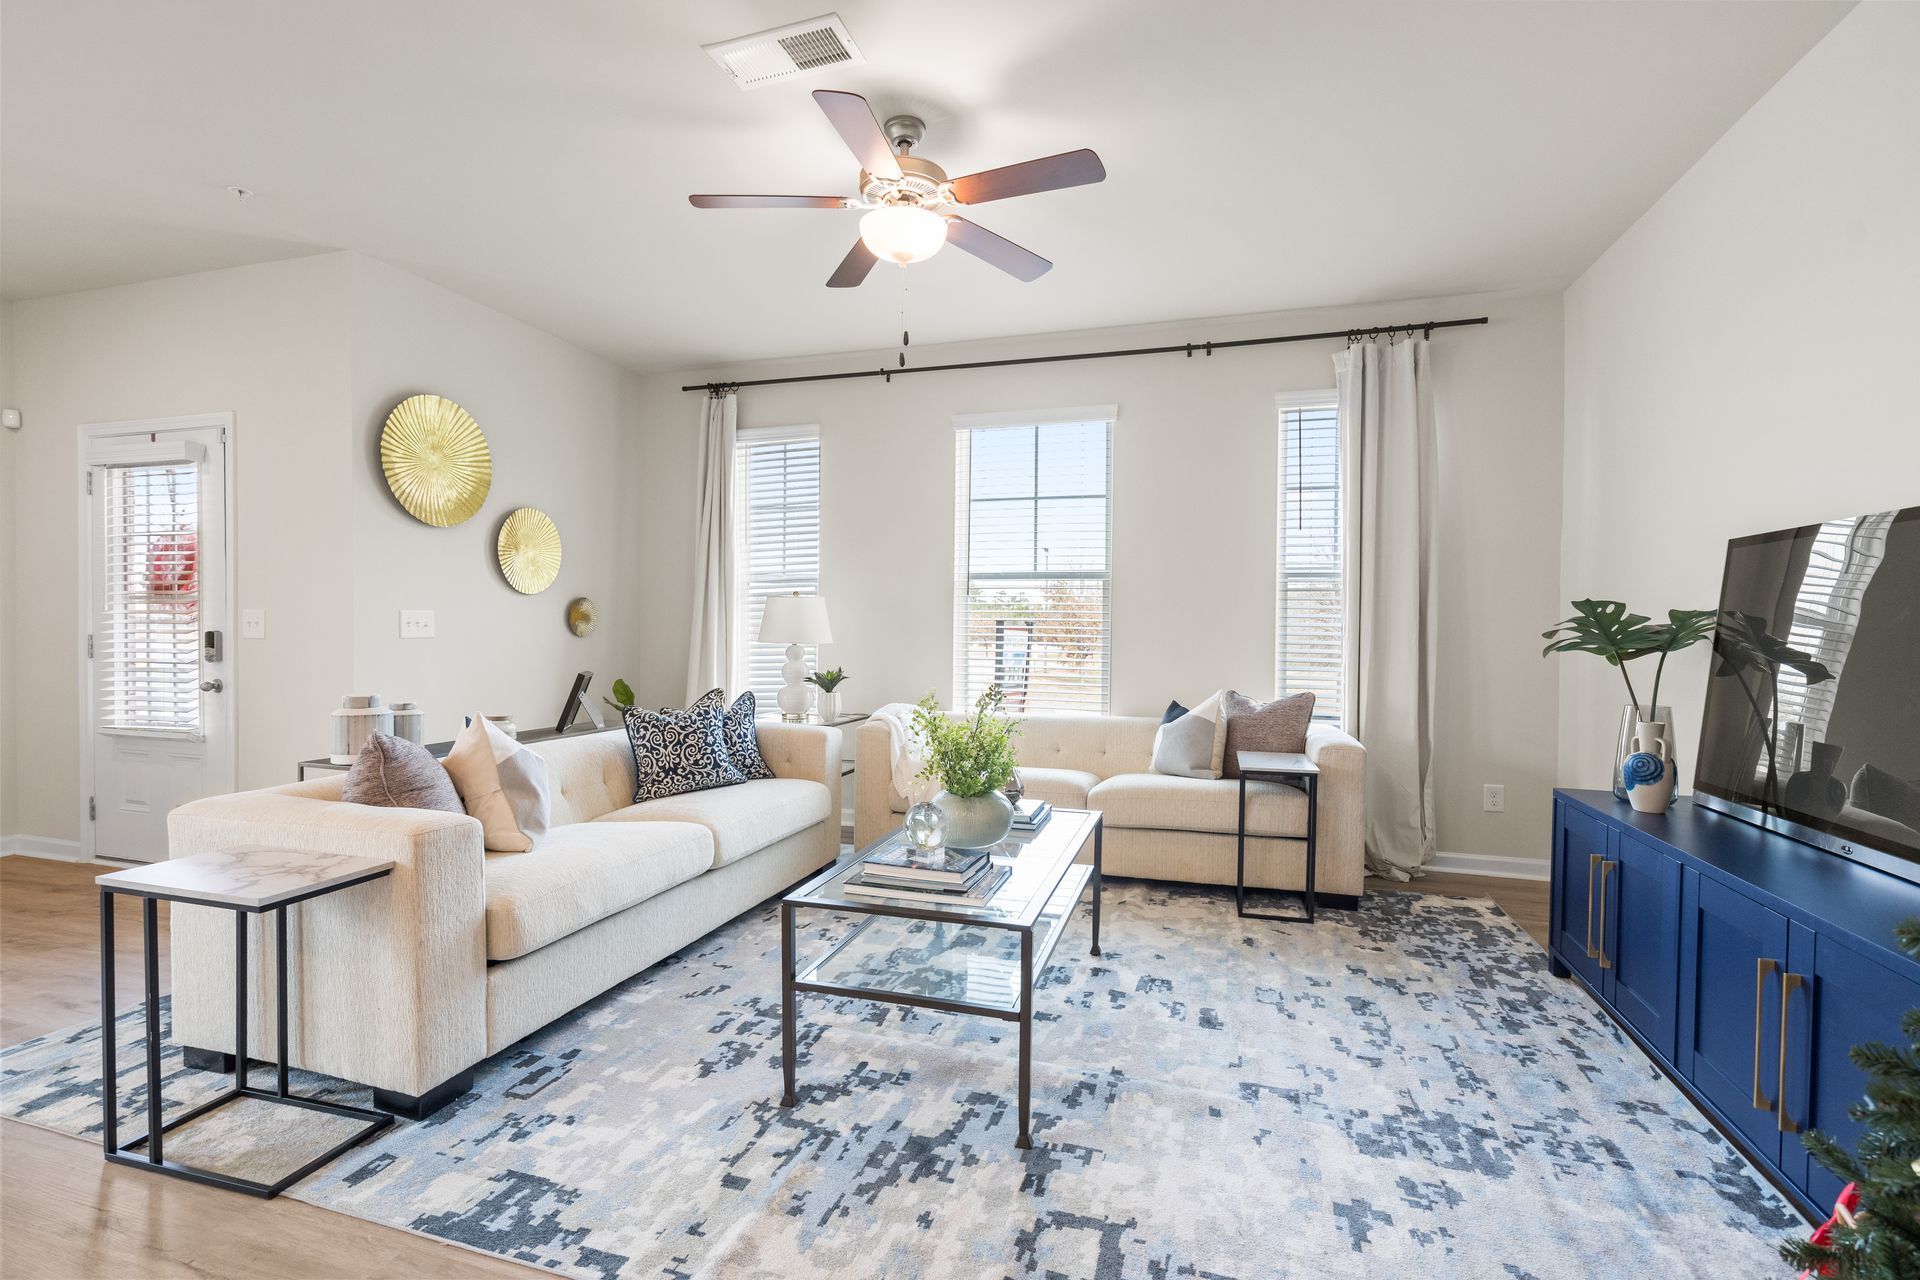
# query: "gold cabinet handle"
[[1762, 967], [1606, 868], [1593, 862], [1788, 982]]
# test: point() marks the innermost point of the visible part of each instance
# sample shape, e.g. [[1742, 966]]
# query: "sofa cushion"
[[588, 774], [583, 873], [675, 752], [1067, 788], [743, 819], [1160, 802]]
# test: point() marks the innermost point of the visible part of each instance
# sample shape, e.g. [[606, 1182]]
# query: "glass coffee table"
[[952, 958]]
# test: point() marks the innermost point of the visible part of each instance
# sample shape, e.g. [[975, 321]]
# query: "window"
[[148, 648], [1033, 559], [1311, 634], [776, 512]]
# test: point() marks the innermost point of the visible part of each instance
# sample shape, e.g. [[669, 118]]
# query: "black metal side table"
[[1284, 767], [246, 882]]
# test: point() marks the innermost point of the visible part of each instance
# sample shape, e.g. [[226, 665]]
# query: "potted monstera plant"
[[1644, 770]]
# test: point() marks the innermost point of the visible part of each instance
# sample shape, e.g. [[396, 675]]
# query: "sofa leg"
[[207, 1059], [410, 1106]]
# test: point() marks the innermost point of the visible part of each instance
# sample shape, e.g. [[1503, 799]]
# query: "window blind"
[[776, 542], [1033, 572], [1310, 645], [147, 639]]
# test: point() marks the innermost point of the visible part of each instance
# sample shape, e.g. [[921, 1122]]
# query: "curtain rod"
[[1208, 348]]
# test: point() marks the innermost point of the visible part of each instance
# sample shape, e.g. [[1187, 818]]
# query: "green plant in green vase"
[[970, 757]]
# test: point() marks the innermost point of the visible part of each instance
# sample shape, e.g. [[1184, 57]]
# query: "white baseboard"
[[1490, 864], [41, 847]]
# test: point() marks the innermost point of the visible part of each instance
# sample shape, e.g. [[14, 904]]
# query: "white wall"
[[1195, 476], [555, 419], [309, 355], [1743, 358], [9, 449]]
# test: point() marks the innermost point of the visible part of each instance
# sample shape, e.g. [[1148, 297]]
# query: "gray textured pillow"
[[1183, 747], [1280, 725], [396, 774]]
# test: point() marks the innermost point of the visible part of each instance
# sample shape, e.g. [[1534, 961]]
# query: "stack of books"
[[1031, 815], [943, 878]]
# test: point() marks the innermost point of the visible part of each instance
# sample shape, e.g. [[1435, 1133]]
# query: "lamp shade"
[[795, 619]]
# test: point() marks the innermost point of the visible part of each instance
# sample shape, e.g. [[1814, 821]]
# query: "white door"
[[158, 693]]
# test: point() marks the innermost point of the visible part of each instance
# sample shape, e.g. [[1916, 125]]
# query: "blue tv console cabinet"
[[1744, 963]]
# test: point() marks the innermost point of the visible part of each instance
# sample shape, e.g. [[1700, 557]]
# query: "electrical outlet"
[[1493, 798], [416, 624], [253, 624]]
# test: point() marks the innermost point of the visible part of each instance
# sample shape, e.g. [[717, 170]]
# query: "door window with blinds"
[[147, 638], [1034, 562], [1310, 642], [776, 542]]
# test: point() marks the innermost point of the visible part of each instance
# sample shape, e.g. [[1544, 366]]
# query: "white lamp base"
[[794, 694]]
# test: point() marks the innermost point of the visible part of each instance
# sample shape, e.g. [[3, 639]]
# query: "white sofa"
[[407, 982], [1159, 827]]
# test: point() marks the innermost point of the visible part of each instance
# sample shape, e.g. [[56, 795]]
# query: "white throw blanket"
[[908, 752]]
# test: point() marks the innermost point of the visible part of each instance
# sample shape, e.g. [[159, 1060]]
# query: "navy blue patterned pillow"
[[743, 741], [675, 752]]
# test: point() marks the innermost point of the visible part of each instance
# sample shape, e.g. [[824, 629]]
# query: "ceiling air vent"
[[784, 52]]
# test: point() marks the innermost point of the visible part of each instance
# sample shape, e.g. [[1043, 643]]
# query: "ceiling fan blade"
[[854, 121], [853, 268], [998, 251], [768, 202], [1050, 173]]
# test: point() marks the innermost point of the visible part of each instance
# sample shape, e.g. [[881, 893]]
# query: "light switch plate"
[[253, 624], [416, 624]]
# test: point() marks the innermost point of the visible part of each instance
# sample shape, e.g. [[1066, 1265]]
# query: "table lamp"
[[794, 620]]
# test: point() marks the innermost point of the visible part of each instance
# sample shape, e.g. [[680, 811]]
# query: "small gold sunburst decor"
[[436, 460], [529, 551]]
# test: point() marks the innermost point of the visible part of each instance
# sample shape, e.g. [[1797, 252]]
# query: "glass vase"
[[1630, 718]]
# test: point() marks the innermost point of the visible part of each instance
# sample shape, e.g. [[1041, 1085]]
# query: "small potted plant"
[[972, 760], [828, 683]]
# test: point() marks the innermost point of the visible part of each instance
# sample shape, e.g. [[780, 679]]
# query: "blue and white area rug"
[[1398, 1091]]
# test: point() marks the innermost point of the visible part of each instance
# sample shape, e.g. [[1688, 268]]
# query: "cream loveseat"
[[1160, 827], [406, 982]]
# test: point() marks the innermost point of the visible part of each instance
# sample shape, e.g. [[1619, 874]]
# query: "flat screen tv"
[[1812, 723]]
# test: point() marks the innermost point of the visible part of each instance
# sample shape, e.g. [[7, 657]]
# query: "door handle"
[[1788, 982], [1762, 967], [1593, 862], [1606, 869], [212, 686]]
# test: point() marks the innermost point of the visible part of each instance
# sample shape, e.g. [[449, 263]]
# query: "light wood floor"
[[66, 1213]]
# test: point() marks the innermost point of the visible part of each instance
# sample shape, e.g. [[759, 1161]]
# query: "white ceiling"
[[537, 157]]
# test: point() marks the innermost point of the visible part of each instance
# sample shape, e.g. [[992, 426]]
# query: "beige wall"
[[9, 449], [309, 355], [1742, 359], [1195, 474]]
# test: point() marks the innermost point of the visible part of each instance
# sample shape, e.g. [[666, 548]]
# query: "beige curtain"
[[710, 648], [1386, 433]]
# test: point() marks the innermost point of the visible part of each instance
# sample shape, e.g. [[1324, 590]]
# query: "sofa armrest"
[[810, 751], [1343, 794], [387, 980], [875, 802]]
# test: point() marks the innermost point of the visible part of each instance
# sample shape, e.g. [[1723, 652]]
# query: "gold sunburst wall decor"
[[529, 551], [582, 616], [436, 460]]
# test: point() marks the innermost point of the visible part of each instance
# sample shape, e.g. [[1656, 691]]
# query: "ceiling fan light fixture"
[[903, 233]]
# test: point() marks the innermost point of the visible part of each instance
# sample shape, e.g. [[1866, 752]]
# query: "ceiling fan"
[[910, 202]]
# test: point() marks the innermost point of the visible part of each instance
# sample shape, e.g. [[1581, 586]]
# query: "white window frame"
[[966, 423], [1285, 401], [740, 655]]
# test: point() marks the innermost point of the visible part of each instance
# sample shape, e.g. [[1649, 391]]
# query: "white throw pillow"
[[1214, 711], [501, 783], [1184, 747]]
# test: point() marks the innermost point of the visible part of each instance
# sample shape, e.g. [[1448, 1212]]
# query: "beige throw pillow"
[[1214, 709], [503, 784], [1280, 725]]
